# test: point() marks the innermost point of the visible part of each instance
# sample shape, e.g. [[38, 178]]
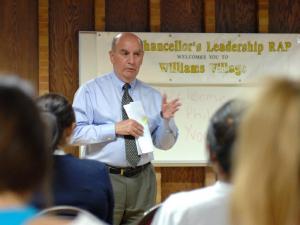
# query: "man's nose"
[[131, 58]]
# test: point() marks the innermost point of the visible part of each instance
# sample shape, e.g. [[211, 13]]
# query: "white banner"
[[199, 58], [202, 70]]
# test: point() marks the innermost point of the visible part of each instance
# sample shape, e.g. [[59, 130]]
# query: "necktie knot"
[[126, 87]]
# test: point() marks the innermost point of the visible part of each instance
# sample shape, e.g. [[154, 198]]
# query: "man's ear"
[[111, 56], [142, 57]]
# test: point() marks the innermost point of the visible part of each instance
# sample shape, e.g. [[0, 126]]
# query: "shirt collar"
[[119, 83], [59, 152]]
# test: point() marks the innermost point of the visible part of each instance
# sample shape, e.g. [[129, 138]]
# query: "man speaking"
[[103, 125]]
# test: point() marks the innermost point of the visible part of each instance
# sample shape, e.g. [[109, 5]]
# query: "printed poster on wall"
[[212, 58]]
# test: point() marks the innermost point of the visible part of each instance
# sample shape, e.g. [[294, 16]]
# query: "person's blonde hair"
[[267, 161]]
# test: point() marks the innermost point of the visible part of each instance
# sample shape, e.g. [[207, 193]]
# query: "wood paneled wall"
[[284, 16], [66, 18], [39, 41], [130, 15], [182, 16], [19, 39], [236, 16]]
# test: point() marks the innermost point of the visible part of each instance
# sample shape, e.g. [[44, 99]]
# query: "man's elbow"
[[165, 145]]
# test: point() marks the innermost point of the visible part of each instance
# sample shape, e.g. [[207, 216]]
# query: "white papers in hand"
[[136, 112]]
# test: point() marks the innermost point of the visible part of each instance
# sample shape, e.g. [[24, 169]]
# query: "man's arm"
[[86, 132], [165, 136]]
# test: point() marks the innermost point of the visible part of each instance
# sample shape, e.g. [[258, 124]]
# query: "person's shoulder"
[[190, 205], [197, 197], [98, 81], [66, 164], [180, 198], [143, 85], [86, 162], [146, 87], [210, 194], [172, 209], [93, 167], [93, 163], [184, 196], [80, 165], [92, 86]]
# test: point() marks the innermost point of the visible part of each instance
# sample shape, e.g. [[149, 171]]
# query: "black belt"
[[128, 171]]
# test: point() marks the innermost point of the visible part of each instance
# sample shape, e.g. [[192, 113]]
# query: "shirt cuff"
[[108, 132], [168, 125]]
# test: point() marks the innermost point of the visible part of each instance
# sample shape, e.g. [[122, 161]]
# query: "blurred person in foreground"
[[75, 182], [24, 159], [210, 205], [267, 163]]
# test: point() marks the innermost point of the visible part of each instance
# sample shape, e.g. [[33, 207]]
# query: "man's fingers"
[[136, 129], [136, 132], [129, 127], [174, 103], [139, 130], [175, 106]]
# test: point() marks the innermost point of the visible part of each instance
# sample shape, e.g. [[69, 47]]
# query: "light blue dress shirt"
[[97, 106]]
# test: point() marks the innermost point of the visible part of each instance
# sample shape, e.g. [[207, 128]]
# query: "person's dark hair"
[[222, 132], [52, 130], [58, 106], [24, 160]]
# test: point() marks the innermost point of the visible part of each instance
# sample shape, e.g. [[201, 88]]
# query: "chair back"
[[77, 215], [62, 210], [149, 215]]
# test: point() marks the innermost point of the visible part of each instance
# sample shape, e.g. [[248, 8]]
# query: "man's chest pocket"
[[105, 117]]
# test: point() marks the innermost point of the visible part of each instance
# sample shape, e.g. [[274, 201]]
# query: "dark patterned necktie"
[[130, 146]]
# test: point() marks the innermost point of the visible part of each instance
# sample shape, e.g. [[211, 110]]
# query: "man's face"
[[127, 57]]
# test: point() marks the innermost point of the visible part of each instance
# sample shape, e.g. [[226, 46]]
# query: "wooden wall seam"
[[263, 16], [100, 15], [158, 184], [209, 16], [43, 86], [210, 176], [154, 6]]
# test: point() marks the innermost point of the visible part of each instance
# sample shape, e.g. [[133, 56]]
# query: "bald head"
[[120, 36]]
